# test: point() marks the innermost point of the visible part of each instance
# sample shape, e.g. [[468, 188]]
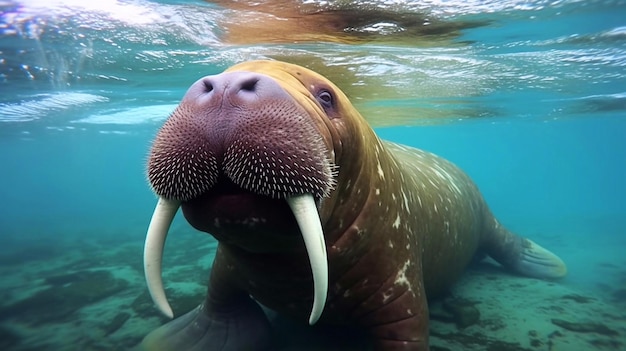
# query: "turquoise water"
[[532, 104]]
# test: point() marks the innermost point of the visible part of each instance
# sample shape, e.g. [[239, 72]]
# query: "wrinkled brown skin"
[[395, 231]]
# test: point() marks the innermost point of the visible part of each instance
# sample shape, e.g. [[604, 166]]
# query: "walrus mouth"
[[305, 212]]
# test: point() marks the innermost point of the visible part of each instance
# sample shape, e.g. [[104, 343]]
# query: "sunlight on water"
[[126, 12]]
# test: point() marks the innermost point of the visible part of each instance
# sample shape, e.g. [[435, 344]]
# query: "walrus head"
[[243, 150]]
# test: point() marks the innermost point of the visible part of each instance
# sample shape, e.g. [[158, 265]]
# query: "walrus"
[[316, 217]]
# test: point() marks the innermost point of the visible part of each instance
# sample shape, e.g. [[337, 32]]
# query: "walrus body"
[[399, 224]]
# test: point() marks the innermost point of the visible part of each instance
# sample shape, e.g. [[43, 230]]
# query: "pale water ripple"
[[43, 105]]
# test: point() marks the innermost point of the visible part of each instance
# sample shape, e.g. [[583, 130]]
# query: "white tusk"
[[160, 223], [305, 211]]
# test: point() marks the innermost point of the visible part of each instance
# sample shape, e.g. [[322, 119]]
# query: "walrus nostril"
[[249, 84], [208, 85]]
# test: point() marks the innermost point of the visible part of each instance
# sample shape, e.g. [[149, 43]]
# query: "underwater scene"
[[527, 97]]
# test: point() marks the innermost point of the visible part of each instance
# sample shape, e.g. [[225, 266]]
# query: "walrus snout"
[[233, 90], [243, 126]]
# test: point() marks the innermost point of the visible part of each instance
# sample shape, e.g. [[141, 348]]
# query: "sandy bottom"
[[91, 295]]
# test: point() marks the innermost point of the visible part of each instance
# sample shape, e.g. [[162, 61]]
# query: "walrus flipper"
[[523, 255], [204, 329], [536, 261]]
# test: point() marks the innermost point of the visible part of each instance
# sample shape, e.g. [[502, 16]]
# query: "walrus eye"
[[325, 98]]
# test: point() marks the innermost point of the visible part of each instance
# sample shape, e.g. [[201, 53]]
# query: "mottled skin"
[[399, 224]]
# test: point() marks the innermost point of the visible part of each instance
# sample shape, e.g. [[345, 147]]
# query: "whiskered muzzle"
[[246, 127]]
